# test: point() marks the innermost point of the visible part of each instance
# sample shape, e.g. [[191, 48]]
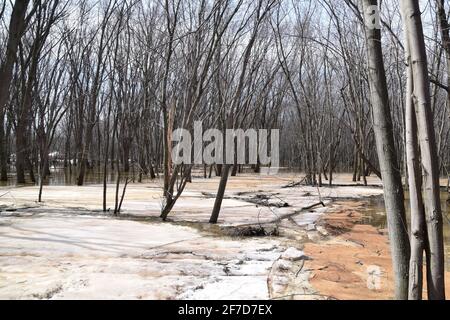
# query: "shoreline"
[[353, 261]]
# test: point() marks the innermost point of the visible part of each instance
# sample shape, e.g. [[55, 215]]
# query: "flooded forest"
[[225, 149]]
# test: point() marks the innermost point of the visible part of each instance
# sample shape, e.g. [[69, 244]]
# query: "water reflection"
[[375, 215], [67, 177]]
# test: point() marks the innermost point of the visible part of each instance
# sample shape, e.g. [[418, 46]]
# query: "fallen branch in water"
[[321, 203], [295, 184], [314, 205]]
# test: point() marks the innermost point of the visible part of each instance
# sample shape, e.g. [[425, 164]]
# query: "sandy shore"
[[354, 261]]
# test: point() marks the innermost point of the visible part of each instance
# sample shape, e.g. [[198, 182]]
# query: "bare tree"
[[46, 13], [262, 10], [418, 230], [426, 136], [93, 95], [445, 38], [392, 183], [16, 30]]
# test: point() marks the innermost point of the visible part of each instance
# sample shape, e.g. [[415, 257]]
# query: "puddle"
[[375, 215]]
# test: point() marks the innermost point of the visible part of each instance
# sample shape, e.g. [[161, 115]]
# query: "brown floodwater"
[[375, 215], [66, 177]]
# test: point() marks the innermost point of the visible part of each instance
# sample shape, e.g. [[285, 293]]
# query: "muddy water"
[[375, 215], [65, 177], [68, 177]]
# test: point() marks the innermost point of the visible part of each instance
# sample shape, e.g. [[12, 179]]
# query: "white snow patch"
[[293, 254]]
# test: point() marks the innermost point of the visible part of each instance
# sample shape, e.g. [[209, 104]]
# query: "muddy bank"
[[353, 261]]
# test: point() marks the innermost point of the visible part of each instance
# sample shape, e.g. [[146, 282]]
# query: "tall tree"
[[93, 94], [16, 29], [412, 21], [418, 229], [17, 26], [262, 10], [46, 14], [387, 155], [444, 27]]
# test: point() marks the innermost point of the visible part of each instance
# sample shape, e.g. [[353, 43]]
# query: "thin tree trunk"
[[220, 193], [124, 190], [42, 173], [105, 161], [392, 183], [418, 230], [445, 36], [3, 150], [20, 151], [16, 29], [355, 165], [116, 202], [411, 15]]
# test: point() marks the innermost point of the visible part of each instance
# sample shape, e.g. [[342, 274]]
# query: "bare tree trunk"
[[3, 150], [152, 171], [392, 183], [116, 202], [16, 30], [31, 168], [220, 193], [210, 171], [430, 170], [124, 190], [355, 165], [168, 127], [235, 165], [105, 161], [236, 103], [84, 161], [21, 144], [418, 228], [445, 37], [42, 174]]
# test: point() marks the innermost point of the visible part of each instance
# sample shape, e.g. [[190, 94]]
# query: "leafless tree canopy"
[[99, 86]]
